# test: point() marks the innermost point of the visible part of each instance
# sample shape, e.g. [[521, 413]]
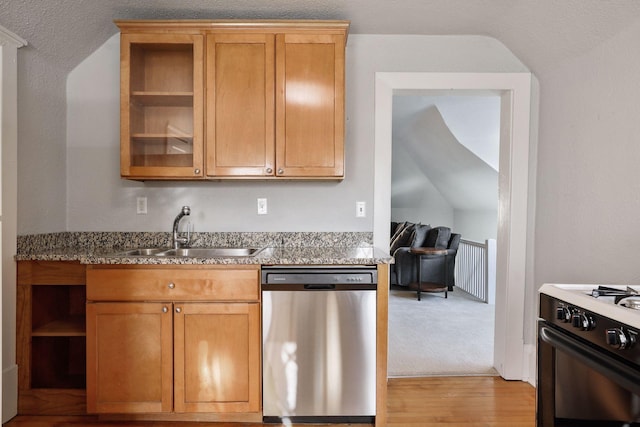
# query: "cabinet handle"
[[269, 170], [165, 309], [197, 171], [171, 285], [178, 310], [280, 171]]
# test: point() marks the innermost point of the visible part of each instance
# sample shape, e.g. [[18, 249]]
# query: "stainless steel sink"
[[221, 252], [143, 252], [211, 252]]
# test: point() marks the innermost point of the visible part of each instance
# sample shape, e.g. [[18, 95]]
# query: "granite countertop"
[[329, 248]]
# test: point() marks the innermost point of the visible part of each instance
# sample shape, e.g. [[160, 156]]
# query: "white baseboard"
[[530, 372], [9, 393]]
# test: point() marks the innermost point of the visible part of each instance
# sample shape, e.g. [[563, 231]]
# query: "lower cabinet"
[[50, 337], [130, 357], [173, 341], [217, 357]]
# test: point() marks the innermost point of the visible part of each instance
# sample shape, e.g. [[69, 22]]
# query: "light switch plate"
[[141, 205], [361, 209], [262, 206]]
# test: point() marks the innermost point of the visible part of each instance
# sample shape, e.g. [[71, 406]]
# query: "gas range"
[[593, 314], [588, 356], [620, 303]]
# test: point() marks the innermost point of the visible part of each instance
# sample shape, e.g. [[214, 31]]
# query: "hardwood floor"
[[425, 402], [460, 401]]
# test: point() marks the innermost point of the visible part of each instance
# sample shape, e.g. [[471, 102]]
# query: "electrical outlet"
[[361, 209], [262, 206], [141, 205]]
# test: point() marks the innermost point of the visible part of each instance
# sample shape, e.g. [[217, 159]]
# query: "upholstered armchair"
[[435, 268]]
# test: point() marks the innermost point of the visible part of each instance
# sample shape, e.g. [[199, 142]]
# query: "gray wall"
[[42, 144], [476, 225], [414, 198], [588, 201]]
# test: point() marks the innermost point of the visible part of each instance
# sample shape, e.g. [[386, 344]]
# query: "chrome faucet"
[[181, 241]]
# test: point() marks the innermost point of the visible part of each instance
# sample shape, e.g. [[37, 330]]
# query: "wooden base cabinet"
[[130, 354], [195, 349], [50, 347], [217, 357]]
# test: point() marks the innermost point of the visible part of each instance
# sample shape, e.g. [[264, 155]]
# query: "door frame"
[[9, 45], [515, 192]]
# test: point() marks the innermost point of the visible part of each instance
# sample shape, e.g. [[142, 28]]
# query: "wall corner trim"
[[7, 36]]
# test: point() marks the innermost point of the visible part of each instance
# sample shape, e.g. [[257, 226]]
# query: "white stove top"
[[580, 296]]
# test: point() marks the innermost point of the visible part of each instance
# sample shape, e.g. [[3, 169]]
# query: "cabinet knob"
[[178, 310], [171, 285], [280, 171], [197, 171], [269, 170], [165, 309]]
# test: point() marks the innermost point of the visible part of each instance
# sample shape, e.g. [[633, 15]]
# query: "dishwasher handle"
[[320, 287]]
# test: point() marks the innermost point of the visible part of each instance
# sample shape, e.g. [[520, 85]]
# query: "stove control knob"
[[563, 314], [583, 321], [575, 320], [618, 338]]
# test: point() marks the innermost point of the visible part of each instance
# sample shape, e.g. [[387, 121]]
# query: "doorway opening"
[[445, 159], [514, 206]]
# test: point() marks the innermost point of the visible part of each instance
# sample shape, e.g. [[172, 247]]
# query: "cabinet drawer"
[[172, 284]]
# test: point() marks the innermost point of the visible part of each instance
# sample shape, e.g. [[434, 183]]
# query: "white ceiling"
[[539, 32]]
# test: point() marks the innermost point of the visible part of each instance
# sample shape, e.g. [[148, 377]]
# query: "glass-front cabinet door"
[[161, 106]]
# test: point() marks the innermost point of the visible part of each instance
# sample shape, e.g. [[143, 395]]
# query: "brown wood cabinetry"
[[51, 338], [217, 357], [270, 103], [310, 105], [177, 341], [240, 105], [161, 105]]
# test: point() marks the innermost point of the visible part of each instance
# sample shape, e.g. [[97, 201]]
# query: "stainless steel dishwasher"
[[319, 344]]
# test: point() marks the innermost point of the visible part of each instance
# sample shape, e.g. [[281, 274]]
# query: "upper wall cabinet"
[[161, 105], [232, 99], [309, 105], [240, 105]]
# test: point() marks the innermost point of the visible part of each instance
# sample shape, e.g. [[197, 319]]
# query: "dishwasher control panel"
[[361, 275]]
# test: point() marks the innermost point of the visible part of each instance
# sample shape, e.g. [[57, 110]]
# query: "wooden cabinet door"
[[217, 357], [240, 105], [129, 357], [310, 105], [161, 105]]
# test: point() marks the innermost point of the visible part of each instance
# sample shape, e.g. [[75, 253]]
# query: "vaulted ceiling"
[[539, 32], [450, 143]]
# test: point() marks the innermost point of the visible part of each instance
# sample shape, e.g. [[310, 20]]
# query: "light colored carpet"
[[438, 336]]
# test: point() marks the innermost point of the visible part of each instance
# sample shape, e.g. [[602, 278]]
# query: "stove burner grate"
[[618, 294]]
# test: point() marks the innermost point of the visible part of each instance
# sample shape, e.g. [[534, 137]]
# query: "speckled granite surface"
[[278, 248]]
